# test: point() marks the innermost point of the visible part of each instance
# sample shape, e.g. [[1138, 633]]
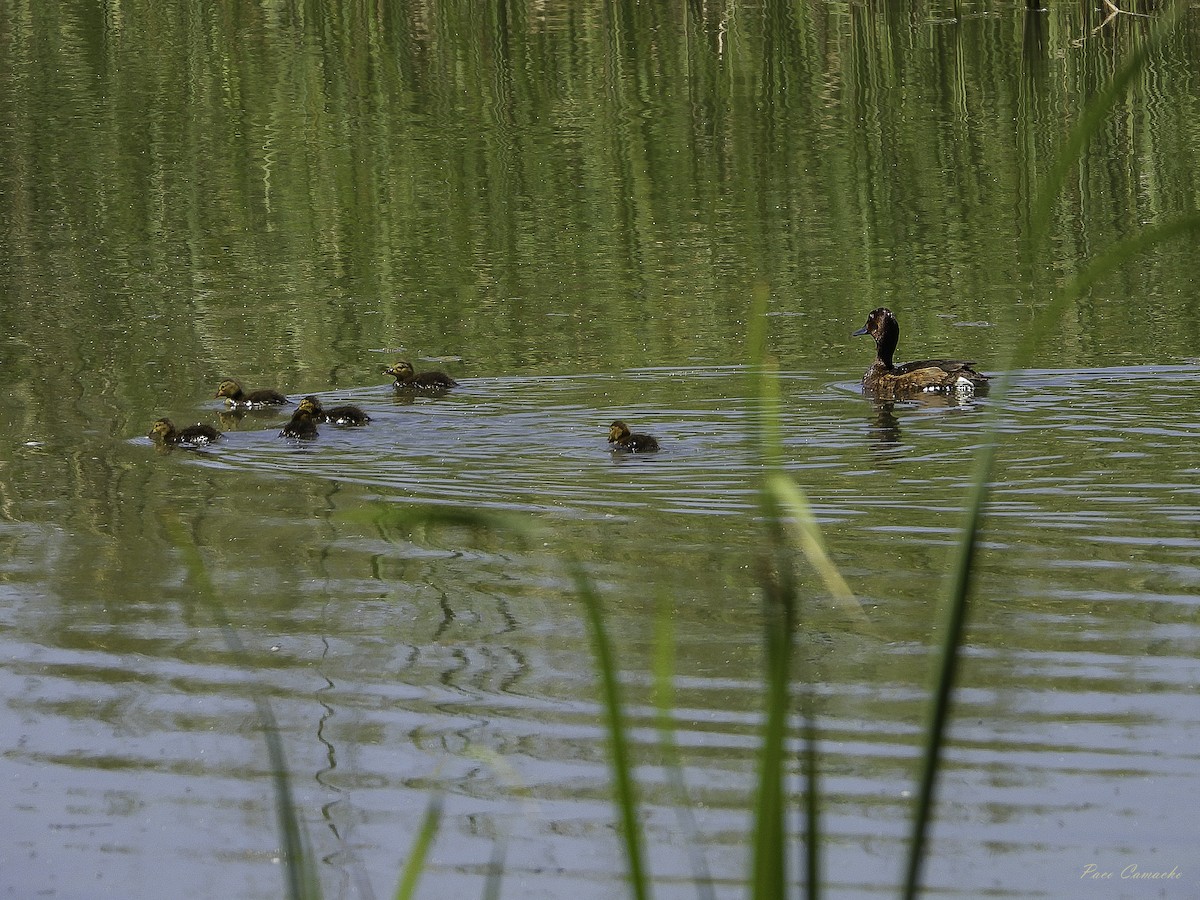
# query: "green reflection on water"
[[297, 196]]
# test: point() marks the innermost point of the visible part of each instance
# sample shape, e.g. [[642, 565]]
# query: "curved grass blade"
[[298, 860], [495, 870], [954, 620], [768, 877], [959, 583], [299, 870], [622, 765], [417, 857], [801, 525], [508, 775], [784, 508], [784, 499], [1119, 253], [812, 805]]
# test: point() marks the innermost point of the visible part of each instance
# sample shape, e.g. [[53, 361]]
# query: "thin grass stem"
[[961, 577], [418, 856], [299, 870], [622, 765]]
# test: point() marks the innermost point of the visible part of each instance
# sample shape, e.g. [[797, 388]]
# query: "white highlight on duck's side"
[[961, 385]]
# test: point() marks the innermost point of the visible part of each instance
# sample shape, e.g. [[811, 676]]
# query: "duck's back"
[[948, 375], [434, 381]]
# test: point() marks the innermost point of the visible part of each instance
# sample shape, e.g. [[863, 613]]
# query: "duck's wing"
[[945, 365], [939, 374], [949, 366]]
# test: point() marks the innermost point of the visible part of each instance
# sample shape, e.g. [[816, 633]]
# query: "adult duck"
[[888, 381], [622, 438], [164, 432], [236, 397], [335, 415], [408, 379]]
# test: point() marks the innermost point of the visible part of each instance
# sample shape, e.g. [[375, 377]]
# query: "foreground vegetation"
[[794, 545]]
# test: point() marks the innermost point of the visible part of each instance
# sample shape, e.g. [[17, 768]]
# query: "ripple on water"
[[396, 665], [539, 444]]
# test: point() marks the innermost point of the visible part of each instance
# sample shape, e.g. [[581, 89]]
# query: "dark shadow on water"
[[883, 426]]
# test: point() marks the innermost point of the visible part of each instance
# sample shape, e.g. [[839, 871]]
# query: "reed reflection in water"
[[575, 204]]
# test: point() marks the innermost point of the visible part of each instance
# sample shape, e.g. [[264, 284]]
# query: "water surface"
[[570, 211]]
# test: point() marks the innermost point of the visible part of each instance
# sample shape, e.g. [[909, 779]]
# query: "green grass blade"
[[1050, 316], [1119, 253], [299, 871], [787, 514], [298, 861], [802, 527], [664, 703], [495, 871], [955, 606], [812, 804], [954, 622], [419, 854], [763, 389], [769, 876], [622, 765], [508, 776], [777, 580]]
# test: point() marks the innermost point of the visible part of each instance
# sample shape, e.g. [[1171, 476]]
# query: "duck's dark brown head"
[[882, 325], [879, 322], [618, 431]]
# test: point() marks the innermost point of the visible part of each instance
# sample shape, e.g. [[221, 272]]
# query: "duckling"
[[409, 380], [888, 381], [235, 396], [620, 435], [303, 425], [164, 432], [338, 415]]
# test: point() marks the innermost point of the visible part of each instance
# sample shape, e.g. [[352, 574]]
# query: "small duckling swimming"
[[303, 425], [409, 380], [891, 382], [623, 439], [164, 432], [337, 415], [235, 396]]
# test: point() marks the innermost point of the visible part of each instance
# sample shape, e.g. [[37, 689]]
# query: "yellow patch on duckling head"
[[402, 369], [228, 388], [310, 405], [617, 431], [161, 430]]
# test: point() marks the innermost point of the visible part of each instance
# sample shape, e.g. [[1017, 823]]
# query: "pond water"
[[570, 210]]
